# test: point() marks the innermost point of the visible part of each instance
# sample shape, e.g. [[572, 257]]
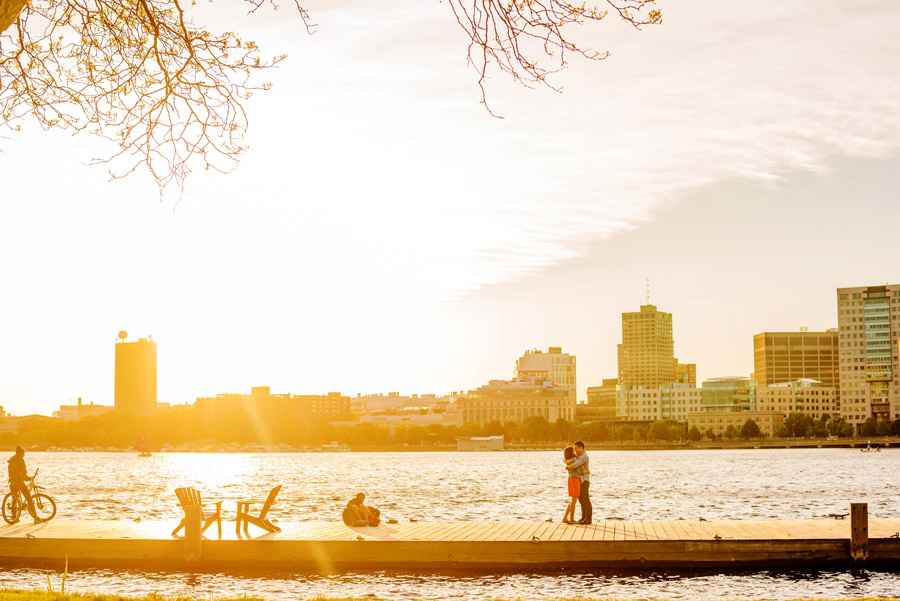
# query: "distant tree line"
[[183, 426]]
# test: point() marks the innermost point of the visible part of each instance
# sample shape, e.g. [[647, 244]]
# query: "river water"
[[712, 484]]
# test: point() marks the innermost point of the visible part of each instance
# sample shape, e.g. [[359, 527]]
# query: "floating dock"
[[332, 546]]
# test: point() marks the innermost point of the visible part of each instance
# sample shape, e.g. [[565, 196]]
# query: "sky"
[[385, 233]]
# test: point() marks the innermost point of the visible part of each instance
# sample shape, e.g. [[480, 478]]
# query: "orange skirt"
[[574, 487]]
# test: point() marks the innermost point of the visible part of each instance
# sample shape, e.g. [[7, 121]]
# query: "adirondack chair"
[[244, 518], [189, 496]]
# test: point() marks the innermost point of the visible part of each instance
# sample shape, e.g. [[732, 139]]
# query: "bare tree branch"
[[170, 93]]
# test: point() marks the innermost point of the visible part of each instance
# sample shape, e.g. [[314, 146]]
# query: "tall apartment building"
[[515, 401], [804, 396], [868, 329], [780, 357], [135, 389], [647, 352], [553, 366]]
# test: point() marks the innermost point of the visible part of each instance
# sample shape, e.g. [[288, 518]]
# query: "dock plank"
[[324, 545]]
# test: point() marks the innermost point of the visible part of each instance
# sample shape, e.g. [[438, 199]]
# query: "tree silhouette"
[[169, 93]]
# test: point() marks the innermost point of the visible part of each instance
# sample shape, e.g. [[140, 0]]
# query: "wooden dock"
[[331, 546]]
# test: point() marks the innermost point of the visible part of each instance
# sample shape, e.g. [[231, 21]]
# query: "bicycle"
[[14, 503]]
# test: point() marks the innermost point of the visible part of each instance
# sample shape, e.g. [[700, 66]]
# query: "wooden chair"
[[244, 517], [190, 497]]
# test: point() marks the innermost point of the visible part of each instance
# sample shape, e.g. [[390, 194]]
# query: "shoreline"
[[12, 594], [821, 443]]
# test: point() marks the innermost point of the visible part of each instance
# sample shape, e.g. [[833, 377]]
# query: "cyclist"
[[18, 476]]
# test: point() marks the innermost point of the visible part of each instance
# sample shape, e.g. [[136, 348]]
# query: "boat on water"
[[143, 445]]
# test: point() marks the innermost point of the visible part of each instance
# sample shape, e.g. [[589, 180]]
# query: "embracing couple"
[[579, 483]]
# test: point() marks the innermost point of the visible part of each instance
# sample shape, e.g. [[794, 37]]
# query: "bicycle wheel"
[[11, 508], [44, 506]]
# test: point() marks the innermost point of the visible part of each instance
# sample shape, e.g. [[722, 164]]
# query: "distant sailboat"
[[143, 445]]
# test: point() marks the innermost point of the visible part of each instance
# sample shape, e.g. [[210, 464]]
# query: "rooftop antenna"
[[647, 282]]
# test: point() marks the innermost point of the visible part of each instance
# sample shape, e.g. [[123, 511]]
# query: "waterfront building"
[[869, 329], [266, 417], [74, 412], [804, 396], [601, 402], [790, 356], [768, 421], [479, 443], [135, 382], [553, 366], [728, 395], [671, 401], [515, 401]]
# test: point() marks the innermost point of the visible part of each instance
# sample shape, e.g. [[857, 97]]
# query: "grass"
[[42, 595]]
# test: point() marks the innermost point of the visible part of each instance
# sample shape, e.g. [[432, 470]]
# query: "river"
[[658, 485]]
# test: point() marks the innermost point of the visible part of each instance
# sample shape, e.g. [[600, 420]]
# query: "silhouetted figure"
[[18, 476], [355, 513]]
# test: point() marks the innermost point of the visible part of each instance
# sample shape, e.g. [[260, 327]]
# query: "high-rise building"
[[553, 366], [780, 357], [869, 328], [647, 352], [136, 376]]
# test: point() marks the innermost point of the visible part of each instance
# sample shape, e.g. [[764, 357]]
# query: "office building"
[[601, 402], [802, 396], [135, 389], [768, 421], [647, 353], [266, 417], [686, 373], [780, 357], [515, 401], [75, 412], [671, 401], [553, 366], [868, 329], [728, 395]]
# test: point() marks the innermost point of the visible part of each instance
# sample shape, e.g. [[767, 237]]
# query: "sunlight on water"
[[727, 484]]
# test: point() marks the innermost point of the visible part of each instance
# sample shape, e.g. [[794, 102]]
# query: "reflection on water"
[[724, 484], [449, 586]]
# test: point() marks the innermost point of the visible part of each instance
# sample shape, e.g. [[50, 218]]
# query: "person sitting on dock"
[[355, 513], [18, 476], [582, 459]]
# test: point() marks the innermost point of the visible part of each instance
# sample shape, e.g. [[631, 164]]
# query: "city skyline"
[[122, 342], [385, 233]]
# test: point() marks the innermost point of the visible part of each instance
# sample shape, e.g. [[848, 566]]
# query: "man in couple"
[[582, 459]]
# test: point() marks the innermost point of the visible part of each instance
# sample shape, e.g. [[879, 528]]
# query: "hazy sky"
[[384, 233]]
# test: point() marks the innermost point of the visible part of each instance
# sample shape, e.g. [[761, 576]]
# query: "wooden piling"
[[859, 532], [193, 521]]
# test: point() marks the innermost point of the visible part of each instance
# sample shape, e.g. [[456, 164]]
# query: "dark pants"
[[23, 488], [587, 510]]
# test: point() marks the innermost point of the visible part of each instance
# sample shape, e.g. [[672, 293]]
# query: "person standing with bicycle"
[[18, 476]]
